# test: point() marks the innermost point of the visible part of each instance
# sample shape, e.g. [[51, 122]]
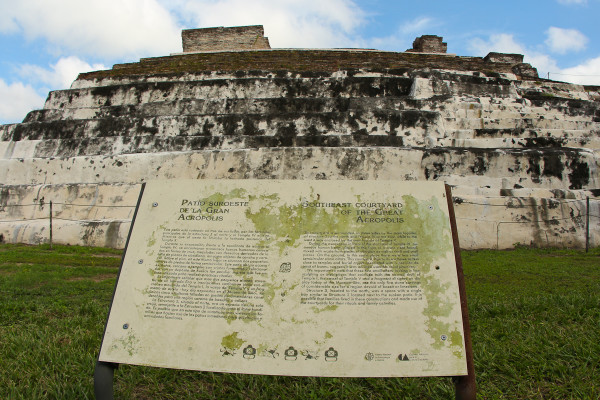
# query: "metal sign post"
[[465, 385]]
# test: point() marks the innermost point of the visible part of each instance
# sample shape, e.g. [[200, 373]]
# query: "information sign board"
[[305, 278]]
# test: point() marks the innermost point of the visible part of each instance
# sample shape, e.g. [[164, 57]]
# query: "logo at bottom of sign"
[[377, 356]]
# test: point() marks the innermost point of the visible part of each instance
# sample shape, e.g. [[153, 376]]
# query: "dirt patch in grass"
[[96, 278], [6, 273], [16, 264], [104, 255]]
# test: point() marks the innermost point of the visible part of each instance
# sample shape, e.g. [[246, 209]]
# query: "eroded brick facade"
[[429, 44], [221, 38]]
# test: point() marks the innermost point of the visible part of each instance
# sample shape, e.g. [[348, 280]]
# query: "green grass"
[[535, 321]]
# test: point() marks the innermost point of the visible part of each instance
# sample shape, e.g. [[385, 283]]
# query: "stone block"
[[429, 44], [221, 38], [504, 58]]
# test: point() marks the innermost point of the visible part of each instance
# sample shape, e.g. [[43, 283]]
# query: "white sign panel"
[[307, 278]]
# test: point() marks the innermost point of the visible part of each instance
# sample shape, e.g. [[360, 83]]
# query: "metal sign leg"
[[464, 387], [103, 380]]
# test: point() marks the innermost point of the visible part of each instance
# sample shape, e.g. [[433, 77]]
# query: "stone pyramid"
[[520, 152]]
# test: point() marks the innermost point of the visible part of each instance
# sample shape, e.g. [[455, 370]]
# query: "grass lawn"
[[535, 321]]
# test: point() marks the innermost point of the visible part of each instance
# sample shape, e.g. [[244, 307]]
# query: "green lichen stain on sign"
[[424, 224], [229, 312], [456, 340], [160, 270], [173, 287], [289, 222], [152, 240], [237, 307], [286, 291], [269, 290], [434, 239], [214, 199], [262, 349], [129, 343], [232, 342], [317, 310], [242, 271]]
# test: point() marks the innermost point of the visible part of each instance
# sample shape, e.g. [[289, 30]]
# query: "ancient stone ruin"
[[429, 44], [221, 39], [520, 152]]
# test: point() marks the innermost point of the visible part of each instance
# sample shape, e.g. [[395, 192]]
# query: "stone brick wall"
[[429, 44], [220, 38], [307, 60]]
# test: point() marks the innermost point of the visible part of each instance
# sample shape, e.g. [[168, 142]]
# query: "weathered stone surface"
[[504, 58], [521, 153], [221, 38], [429, 44]]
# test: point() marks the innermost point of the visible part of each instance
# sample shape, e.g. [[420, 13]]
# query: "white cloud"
[[393, 42], [404, 36], [562, 41], [16, 100], [144, 28], [288, 23], [506, 43], [61, 74], [103, 28], [569, 2], [417, 25], [586, 73], [7, 24], [500, 43]]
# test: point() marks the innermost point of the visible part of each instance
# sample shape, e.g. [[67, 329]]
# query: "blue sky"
[[45, 44]]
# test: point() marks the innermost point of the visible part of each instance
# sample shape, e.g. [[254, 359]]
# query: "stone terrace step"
[[82, 82], [112, 146], [507, 168], [466, 191], [476, 217], [117, 145], [81, 201], [516, 142], [188, 76], [460, 76], [523, 113], [525, 123], [105, 200], [302, 104], [326, 86], [507, 110], [139, 93], [212, 107], [544, 136], [304, 61], [279, 124], [416, 128]]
